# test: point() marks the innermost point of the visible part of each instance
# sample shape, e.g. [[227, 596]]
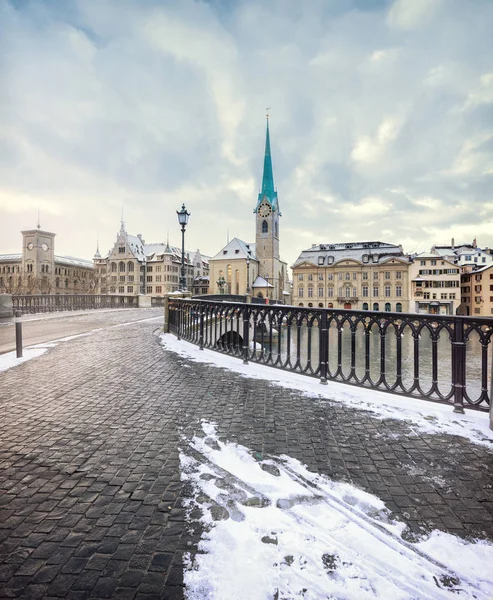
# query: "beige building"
[[357, 275], [38, 270], [435, 285], [477, 292], [133, 267], [234, 269]]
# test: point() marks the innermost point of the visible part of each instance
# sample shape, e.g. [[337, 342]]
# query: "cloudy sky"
[[381, 115]]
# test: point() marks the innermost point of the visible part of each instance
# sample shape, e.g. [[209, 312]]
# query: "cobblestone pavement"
[[90, 490]]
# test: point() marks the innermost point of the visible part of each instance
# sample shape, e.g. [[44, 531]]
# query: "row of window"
[[351, 292], [366, 258], [439, 271], [347, 276], [365, 306]]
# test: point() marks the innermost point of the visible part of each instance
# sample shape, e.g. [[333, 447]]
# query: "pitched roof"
[[350, 251], [236, 249], [260, 282]]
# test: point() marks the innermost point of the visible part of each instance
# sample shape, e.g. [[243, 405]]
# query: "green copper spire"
[[268, 191]]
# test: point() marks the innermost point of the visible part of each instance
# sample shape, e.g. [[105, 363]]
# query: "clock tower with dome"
[[267, 215]]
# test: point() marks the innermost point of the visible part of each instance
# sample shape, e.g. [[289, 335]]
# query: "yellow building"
[[38, 270], [354, 275]]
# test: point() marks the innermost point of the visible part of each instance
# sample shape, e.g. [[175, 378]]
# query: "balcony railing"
[[446, 359], [40, 303]]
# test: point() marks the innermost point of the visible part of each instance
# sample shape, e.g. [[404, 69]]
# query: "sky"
[[381, 120]]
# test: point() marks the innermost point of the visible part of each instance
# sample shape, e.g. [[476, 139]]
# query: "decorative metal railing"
[[446, 359], [40, 303]]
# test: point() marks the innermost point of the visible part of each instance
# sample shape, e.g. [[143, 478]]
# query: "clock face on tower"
[[30, 246], [45, 247], [265, 210]]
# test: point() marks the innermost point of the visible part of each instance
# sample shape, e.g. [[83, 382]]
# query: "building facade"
[[38, 270], [435, 285], [255, 268], [134, 267], [357, 275], [477, 292]]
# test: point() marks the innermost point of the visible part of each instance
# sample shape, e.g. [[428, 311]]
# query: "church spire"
[[268, 176], [268, 190]]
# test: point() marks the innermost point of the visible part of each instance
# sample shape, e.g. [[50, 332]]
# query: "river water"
[[444, 355]]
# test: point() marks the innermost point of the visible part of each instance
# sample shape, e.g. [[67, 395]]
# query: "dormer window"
[[365, 258], [321, 260], [225, 251], [237, 251], [375, 258], [330, 260]]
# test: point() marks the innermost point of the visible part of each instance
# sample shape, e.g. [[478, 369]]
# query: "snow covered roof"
[[10, 257], [327, 254], [236, 249], [260, 282], [71, 261]]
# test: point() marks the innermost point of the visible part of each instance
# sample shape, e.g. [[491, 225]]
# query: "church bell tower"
[[267, 216]]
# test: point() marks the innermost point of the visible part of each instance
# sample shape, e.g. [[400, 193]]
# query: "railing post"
[[201, 330], [323, 347], [18, 333], [166, 315], [246, 334], [458, 365], [491, 386], [178, 320]]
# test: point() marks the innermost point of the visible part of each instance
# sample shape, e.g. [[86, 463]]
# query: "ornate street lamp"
[[183, 216], [248, 275], [221, 282]]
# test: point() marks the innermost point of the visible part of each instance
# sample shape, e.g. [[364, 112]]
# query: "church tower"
[[267, 227]]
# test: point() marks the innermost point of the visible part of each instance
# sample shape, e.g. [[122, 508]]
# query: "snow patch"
[[422, 415], [273, 529]]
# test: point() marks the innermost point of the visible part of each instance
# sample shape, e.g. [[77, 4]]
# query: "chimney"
[[452, 243]]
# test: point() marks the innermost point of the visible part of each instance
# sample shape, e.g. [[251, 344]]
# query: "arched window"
[[276, 230], [66, 283], [387, 306], [375, 306], [347, 277], [320, 305], [365, 305], [310, 304], [57, 282], [398, 307], [130, 266], [113, 267], [300, 304], [265, 227], [122, 267], [260, 295], [330, 305]]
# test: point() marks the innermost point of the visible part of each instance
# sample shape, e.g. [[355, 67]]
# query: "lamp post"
[[183, 216], [248, 275]]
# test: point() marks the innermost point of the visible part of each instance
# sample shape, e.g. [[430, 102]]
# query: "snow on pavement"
[[420, 415], [9, 359], [274, 530]]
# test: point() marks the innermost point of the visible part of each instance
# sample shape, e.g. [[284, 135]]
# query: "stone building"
[[38, 270], [353, 275], [255, 268], [435, 285], [134, 267], [477, 292]]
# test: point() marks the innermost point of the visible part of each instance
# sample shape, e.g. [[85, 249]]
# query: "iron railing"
[[446, 359], [40, 303]]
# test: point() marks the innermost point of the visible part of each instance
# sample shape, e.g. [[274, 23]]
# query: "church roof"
[[236, 249], [268, 190], [260, 282]]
